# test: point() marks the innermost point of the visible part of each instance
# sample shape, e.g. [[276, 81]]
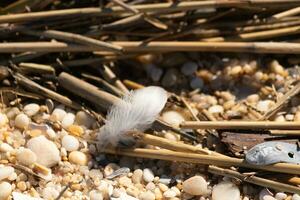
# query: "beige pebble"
[[162, 187], [110, 168], [171, 136], [58, 114], [5, 172], [253, 98], [4, 147], [5, 190], [79, 158], [21, 186], [125, 181], [75, 130], [169, 193], [148, 175], [22, 121], [297, 117], [173, 117], [137, 176], [158, 194], [225, 190], [45, 150], [216, 109], [31, 109], [84, 119], [68, 120], [26, 156], [195, 185], [265, 105], [147, 196], [150, 186], [3, 119], [133, 191]]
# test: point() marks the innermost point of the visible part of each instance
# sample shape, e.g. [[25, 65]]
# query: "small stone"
[[70, 143], [280, 118], [84, 119], [173, 117], [50, 193], [148, 175], [5, 172], [4, 147], [125, 181], [294, 197], [176, 190], [22, 121], [133, 191], [26, 156], [5, 189], [189, 68], [195, 185], [147, 196], [154, 72], [163, 187], [3, 119], [216, 109], [169, 194], [158, 194], [276, 68], [21, 186], [253, 98], [79, 158], [280, 196], [268, 197], [196, 83], [12, 112], [289, 117], [95, 195], [46, 151], [225, 190], [170, 136], [58, 114], [137, 176], [110, 168], [68, 120], [170, 78], [265, 105], [264, 193], [150, 186], [297, 117], [20, 196], [31, 109], [75, 130]]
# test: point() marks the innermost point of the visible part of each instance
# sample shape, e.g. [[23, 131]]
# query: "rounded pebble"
[[31, 109], [196, 83], [172, 117], [58, 114], [148, 175], [3, 119], [280, 196], [46, 151], [79, 158], [225, 191], [264, 105], [68, 120], [189, 68], [95, 195], [26, 156], [84, 119], [22, 121], [5, 189], [147, 196], [5, 172], [4, 147], [195, 185], [216, 109], [296, 197], [169, 194], [137, 176], [70, 143]]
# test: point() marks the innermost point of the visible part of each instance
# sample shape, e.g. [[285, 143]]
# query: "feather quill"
[[137, 111]]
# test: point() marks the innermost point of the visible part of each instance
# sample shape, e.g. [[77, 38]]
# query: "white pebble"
[[172, 117], [216, 109], [46, 151], [189, 68], [268, 197], [58, 114], [70, 143], [50, 193], [148, 175], [264, 192], [169, 194], [5, 172], [296, 197], [225, 190], [95, 195], [3, 119], [22, 121], [26, 156], [84, 119], [31, 109], [4, 147], [68, 120], [20, 196], [147, 196], [280, 196], [5, 189], [195, 185], [264, 105]]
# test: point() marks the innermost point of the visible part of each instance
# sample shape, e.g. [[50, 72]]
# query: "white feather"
[[137, 111]]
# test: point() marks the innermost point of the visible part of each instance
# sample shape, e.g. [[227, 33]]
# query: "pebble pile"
[[44, 149]]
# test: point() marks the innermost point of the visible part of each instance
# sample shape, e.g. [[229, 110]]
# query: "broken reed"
[[159, 46], [251, 125], [203, 159]]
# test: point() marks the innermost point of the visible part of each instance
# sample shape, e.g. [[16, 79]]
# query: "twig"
[[285, 132], [33, 86], [37, 68], [75, 38], [132, 84], [87, 91], [287, 13], [282, 101], [254, 180], [111, 77], [254, 125], [203, 159], [154, 7]]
